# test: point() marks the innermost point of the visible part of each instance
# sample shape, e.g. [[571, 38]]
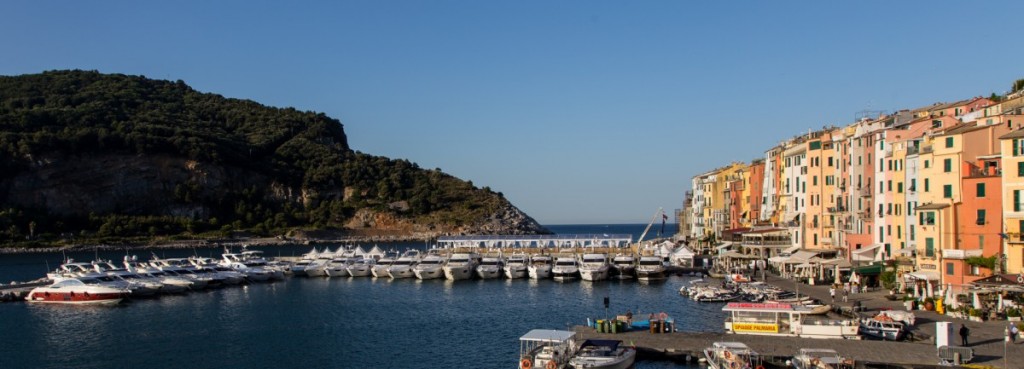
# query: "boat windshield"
[[565, 262], [431, 262], [593, 260], [650, 262], [489, 262]]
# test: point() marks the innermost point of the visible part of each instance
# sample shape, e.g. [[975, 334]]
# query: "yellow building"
[[1012, 147]]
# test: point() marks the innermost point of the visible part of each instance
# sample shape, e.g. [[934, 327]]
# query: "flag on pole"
[[663, 219]]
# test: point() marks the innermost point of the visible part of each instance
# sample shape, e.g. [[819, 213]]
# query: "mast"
[[653, 218]]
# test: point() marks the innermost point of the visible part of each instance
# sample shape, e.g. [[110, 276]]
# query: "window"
[[936, 123], [1016, 200], [980, 187], [815, 179], [929, 247], [911, 233], [949, 141], [1020, 169], [947, 191], [830, 161], [981, 217], [899, 187], [947, 165], [926, 164], [926, 185], [913, 184], [949, 268], [889, 185], [927, 218]]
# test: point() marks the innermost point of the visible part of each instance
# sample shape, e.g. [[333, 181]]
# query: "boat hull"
[[358, 271], [337, 272], [458, 273], [515, 272], [433, 273], [594, 274], [539, 272], [380, 272], [488, 273], [400, 272]]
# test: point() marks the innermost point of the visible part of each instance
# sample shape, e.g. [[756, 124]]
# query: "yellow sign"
[[755, 327]]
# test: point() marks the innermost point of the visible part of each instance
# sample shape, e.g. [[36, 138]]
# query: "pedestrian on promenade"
[[1013, 332], [855, 288], [846, 295], [964, 332], [832, 293]]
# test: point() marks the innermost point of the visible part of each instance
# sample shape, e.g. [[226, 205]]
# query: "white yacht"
[[651, 268], [338, 266], [540, 267], [603, 354], [489, 268], [380, 269], [594, 267], [299, 269], [566, 268], [318, 267], [402, 268], [821, 359], [430, 267], [731, 355], [515, 266], [361, 268], [623, 266], [461, 266]]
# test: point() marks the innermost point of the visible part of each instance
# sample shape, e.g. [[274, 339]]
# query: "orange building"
[[978, 222]]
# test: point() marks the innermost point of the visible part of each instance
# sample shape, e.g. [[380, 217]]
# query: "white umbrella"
[[977, 301], [917, 291], [837, 281], [854, 278], [951, 297], [929, 287], [999, 304]]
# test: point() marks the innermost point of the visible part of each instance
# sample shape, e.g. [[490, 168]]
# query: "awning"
[[736, 255], [874, 269], [865, 254], [932, 206], [802, 256], [791, 249], [923, 276], [842, 263]]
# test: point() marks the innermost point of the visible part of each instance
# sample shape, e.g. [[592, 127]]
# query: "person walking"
[[832, 293], [964, 332], [846, 295], [1013, 332]]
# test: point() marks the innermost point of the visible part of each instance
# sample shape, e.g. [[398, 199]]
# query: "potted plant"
[[975, 314], [1013, 314], [929, 303]]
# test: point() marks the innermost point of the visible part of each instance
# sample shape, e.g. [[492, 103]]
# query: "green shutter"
[[981, 189], [947, 165], [1016, 146], [929, 247], [949, 141], [947, 191], [1016, 200], [926, 185], [1020, 169]]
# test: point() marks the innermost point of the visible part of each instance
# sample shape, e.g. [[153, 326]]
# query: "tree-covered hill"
[[101, 157]]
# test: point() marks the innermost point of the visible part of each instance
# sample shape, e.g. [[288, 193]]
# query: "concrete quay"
[[986, 338]]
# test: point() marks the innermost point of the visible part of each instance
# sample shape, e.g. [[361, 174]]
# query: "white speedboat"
[[821, 359], [594, 267], [623, 266], [299, 268], [546, 349], [565, 268], [540, 267], [361, 268], [318, 267], [380, 269], [74, 291], [731, 355], [338, 266], [461, 266], [515, 266], [885, 330], [402, 268], [489, 268], [603, 354], [650, 268], [430, 267]]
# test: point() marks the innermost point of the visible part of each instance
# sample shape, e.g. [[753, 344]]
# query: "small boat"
[[651, 268], [818, 309], [565, 268], [515, 266], [785, 320], [461, 266], [546, 349], [402, 268], [885, 330], [74, 291], [623, 266], [820, 359], [603, 354], [731, 355], [540, 267], [380, 270], [338, 266], [489, 268], [594, 267], [361, 268], [430, 267]]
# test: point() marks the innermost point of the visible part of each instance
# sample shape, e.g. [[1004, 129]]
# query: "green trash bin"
[[614, 326]]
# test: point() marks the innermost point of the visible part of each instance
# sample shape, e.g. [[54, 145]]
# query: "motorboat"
[[885, 330], [402, 268], [623, 266], [430, 267], [540, 267], [318, 267], [731, 355], [361, 268], [380, 269], [461, 266], [252, 269], [566, 268], [594, 267], [785, 320], [338, 266], [299, 269], [807, 358], [546, 348], [489, 268], [515, 266], [74, 291], [650, 268], [603, 354]]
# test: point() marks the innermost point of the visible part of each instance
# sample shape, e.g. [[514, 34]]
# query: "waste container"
[[614, 325], [654, 326], [600, 326]]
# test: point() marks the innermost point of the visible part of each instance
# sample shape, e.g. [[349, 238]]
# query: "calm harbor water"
[[342, 322]]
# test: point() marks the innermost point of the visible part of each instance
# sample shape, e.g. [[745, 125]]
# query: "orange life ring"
[[728, 355], [551, 364], [759, 366], [526, 363]]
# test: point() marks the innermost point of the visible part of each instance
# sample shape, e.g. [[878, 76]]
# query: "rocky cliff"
[[85, 155]]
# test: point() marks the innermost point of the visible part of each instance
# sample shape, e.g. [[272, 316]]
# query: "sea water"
[[324, 323]]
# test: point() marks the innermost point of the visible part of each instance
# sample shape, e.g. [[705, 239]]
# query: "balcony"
[[960, 254]]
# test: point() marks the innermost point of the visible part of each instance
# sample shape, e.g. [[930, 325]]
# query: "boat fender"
[[526, 363], [551, 365]]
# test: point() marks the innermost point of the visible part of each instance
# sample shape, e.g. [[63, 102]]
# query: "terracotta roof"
[[1015, 134], [932, 206]]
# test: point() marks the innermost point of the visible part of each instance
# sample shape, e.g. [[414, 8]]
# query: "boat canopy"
[[611, 344], [548, 335]]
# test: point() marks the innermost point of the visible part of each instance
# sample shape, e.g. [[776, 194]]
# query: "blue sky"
[[578, 111]]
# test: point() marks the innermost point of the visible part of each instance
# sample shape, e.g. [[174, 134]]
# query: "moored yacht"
[[603, 354], [430, 267], [489, 268], [515, 266], [338, 266], [402, 268], [594, 267], [540, 267], [74, 291], [545, 348], [361, 268], [808, 358], [380, 269], [300, 267], [461, 266], [318, 267], [651, 268], [566, 268], [623, 266]]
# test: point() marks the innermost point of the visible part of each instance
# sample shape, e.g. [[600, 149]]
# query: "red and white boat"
[[74, 291]]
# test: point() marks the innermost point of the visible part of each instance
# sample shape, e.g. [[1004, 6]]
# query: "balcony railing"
[[960, 254]]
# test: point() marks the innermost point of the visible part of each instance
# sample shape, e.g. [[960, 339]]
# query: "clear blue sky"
[[578, 111]]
